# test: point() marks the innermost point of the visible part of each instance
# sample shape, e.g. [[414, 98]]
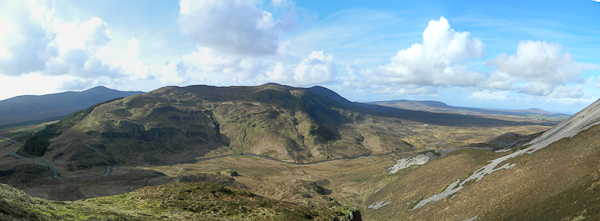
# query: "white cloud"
[[31, 84], [206, 63], [173, 74], [232, 26], [562, 91], [24, 37], [542, 65], [39, 43], [352, 71], [491, 95], [597, 83], [131, 65], [407, 90], [89, 35], [441, 60], [438, 60], [318, 68], [238, 43]]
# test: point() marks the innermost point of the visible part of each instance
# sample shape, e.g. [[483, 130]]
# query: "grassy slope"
[[181, 201], [37, 144], [557, 182], [174, 124]]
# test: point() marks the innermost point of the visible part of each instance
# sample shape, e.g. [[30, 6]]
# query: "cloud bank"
[[238, 43], [442, 59], [250, 42], [35, 42]]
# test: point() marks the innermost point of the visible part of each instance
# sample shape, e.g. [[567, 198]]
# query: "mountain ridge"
[[27, 108], [443, 107]]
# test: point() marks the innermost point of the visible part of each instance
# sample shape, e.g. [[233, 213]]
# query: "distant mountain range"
[[437, 106], [34, 108]]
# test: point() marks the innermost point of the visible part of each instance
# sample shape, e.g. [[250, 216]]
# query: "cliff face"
[[175, 124]]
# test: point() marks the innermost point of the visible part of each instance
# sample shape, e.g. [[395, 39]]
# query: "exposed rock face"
[[407, 162]]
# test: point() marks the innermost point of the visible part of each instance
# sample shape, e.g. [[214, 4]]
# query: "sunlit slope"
[[553, 177]]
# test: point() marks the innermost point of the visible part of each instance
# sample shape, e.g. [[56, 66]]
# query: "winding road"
[[109, 169]]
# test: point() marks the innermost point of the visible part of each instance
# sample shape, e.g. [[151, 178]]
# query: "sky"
[[488, 54]]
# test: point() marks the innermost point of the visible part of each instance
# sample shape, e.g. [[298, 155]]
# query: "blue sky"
[[489, 54]]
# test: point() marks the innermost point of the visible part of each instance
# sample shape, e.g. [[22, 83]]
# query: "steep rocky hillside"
[[34, 108], [180, 201], [552, 177], [174, 124]]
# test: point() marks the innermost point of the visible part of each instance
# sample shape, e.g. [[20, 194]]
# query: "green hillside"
[[175, 124]]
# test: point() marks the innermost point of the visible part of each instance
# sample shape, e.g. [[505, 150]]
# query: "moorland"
[[303, 153]]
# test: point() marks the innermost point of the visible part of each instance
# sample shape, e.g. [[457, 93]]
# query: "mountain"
[[52, 106], [437, 106], [554, 176], [175, 124]]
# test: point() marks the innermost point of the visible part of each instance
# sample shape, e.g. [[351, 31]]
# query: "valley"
[[285, 110], [313, 149]]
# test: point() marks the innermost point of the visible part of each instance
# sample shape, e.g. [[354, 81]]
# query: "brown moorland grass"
[[558, 182]]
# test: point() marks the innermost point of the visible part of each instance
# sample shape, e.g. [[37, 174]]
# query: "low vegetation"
[[176, 124], [558, 182], [37, 144], [178, 201]]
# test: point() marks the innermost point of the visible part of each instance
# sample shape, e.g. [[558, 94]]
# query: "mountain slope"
[[553, 177], [174, 124], [442, 107], [32, 108]]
